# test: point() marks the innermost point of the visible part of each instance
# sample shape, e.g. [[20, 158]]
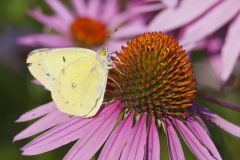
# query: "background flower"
[[199, 21], [94, 24]]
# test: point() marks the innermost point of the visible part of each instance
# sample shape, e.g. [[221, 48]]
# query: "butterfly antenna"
[[115, 83]]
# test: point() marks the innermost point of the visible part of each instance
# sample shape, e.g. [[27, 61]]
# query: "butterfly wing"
[[79, 88], [46, 64]]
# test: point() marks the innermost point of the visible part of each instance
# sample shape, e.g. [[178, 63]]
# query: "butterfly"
[[76, 77]]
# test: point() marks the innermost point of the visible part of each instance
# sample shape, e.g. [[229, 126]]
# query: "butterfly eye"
[[103, 52]]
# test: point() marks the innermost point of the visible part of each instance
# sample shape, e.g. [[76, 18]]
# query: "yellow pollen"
[[157, 76], [89, 32]]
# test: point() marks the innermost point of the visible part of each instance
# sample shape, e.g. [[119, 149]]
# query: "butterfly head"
[[103, 52]]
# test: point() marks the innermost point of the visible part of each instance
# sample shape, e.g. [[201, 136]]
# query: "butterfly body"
[[76, 78]]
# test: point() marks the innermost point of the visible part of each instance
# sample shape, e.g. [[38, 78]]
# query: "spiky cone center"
[[155, 76], [88, 32]]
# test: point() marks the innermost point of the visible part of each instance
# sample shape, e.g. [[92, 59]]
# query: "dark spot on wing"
[[39, 64], [92, 69], [64, 59], [29, 64], [48, 74], [63, 71]]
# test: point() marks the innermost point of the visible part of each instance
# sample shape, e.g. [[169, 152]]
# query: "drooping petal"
[[115, 143], [222, 123], [211, 22], [153, 144], [197, 148], [51, 21], [132, 28], [46, 40], [80, 7], [203, 137], [219, 102], [66, 132], [174, 146], [187, 11], [136, 142], [50, 120], [87, 146], [37, 112], [231, 49], [61, 11]]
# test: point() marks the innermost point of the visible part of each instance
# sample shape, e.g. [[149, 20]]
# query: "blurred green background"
[[18, 94]]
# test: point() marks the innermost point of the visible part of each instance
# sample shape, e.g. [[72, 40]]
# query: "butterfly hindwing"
[[79, 87]]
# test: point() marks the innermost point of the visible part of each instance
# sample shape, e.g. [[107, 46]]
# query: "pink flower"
[[95, 25], [154, 90], [199, 21]]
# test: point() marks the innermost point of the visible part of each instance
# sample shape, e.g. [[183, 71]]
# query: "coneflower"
[[153, 92]]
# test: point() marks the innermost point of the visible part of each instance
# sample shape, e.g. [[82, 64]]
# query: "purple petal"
[[67, 132], [219, 102], [203, 137], [119, 20], [153, 145], [36, 82], [211, 22], [214, 45], [115, 143], [194, 45], [45, 40], [136, 142], [216, 63], [61, 11], [52, 119], [37, 112], [79, 6], [174, 146], [113, 45], [110, 10], [170, 3], [222, 123], [187, 11], [146, 8], [93, 8], [87, 146], [231, 49], [200, 151], [132, 28], [50, 21]]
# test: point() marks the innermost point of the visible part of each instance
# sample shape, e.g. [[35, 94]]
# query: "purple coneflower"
[[154, 93], [95, 25], [200, 20]]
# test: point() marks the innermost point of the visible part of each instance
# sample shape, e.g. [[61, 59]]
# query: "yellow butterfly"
[[76, 77]]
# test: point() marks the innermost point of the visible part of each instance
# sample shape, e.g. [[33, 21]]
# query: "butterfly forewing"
[[46, 64]]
